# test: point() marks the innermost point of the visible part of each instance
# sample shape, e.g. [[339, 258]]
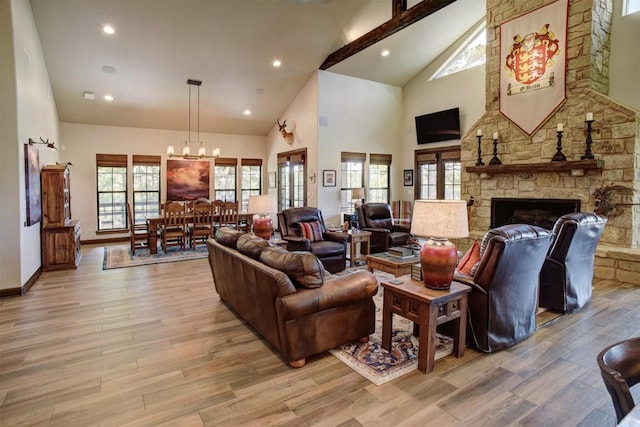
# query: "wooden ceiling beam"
[[401, 18]]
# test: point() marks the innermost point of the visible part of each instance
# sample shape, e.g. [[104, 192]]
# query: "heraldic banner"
[[533, 65]]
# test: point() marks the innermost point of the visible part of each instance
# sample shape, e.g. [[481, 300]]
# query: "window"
[[471, 54], [292, 187], [352, 176], [631, 6], [225, 179], [438, 173], [250, 180], [146, 187], [379, 178], [111, 174]]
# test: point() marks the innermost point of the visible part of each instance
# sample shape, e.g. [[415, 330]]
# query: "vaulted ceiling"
[[227, 44]]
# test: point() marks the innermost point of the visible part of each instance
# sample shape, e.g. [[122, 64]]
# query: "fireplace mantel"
[[568, 165]]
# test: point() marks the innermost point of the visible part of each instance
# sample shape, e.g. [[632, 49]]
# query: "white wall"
[[625, 60], [356, 115], [82, 143], [28, 111]]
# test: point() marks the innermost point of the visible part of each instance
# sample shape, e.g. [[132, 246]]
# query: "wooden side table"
[[391, 264], [357, 238], [427, 308]]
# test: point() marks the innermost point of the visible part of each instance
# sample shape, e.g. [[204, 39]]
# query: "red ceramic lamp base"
[[438, 258], [263, 227]]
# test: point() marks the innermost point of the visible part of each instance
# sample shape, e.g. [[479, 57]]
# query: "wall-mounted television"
[[439, 126]]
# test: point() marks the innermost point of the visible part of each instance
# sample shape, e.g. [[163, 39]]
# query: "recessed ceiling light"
[[109, 69], [385, 52], [277, 63], [108, 98], [247, 112], [108, 29]]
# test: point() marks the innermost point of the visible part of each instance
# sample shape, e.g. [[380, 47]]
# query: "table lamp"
[[439, 220], [357, 194], [262, 206]]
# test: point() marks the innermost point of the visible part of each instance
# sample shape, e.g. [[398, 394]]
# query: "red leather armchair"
[[332, 250], [567, 273], [504, 286], [378, 219]]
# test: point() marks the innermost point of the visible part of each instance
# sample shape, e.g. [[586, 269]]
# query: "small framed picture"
[[271, 178], [329, 178], [408, 177]]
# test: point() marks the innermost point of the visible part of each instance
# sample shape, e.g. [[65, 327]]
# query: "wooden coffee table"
[[427, 308], [391, 264]]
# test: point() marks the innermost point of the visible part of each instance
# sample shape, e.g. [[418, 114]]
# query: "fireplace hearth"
[[540, 212]]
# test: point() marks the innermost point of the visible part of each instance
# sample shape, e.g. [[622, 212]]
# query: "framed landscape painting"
[[187, 179], [32, 184]]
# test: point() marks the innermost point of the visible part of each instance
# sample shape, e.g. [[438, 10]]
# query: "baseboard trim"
[[100, 241], [21, 291]]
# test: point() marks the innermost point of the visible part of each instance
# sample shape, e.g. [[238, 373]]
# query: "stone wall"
[[616, 137]]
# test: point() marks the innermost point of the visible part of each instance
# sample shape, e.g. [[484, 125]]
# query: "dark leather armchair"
[[504, 287], [377, 218], [567, 273], [620, 370], [332, 250]]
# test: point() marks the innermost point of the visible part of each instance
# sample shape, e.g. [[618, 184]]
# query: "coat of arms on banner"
[[533, 65]]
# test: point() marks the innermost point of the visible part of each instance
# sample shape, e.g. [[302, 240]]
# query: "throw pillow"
[[303, 268], [311, 231], [470, 259], [251, 245]]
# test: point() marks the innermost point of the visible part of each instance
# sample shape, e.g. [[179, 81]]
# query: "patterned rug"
[[120, 256], [379, 365]]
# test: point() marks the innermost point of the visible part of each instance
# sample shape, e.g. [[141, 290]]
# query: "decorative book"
[[401, 252]]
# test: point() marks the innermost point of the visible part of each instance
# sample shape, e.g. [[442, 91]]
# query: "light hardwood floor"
[[154, 346]]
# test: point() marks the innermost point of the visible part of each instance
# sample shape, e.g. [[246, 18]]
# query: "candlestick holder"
[[559, 156], [479, 162], [495, 160], [587, 154]]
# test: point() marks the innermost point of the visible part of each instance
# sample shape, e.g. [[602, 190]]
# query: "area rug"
[[121, 257], [379, 365]]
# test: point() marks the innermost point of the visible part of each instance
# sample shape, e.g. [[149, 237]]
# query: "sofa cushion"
[[470, 259], [311, 231], [228, 236], [251, 245], [303, 268]]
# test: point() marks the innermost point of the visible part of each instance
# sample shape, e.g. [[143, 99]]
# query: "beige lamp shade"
[[440, 218], [263, 204], [357, 193]]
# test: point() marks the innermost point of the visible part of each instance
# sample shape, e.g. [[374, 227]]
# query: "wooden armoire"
[[60, 234]]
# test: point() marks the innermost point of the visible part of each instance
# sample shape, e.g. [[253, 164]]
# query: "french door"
[[292, 185]]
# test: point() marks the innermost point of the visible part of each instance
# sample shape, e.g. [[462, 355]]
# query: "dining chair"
[[138, 233], [174, 225], [620, 369], [229, 215], [217, 210], [201, 226]]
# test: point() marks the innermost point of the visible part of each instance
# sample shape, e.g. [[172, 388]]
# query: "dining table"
[[154, 221]]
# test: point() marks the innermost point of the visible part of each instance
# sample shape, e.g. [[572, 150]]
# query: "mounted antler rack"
[[50, 145]]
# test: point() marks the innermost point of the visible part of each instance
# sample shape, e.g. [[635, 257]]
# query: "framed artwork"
[[271, 180], [187, 179], [533, 65], [329, 178], [408, 177], [32, 184]]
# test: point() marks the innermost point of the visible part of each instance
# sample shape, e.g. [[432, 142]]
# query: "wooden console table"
[[427, 308]]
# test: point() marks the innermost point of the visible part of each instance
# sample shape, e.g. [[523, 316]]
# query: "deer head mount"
[[282, 128], [603, 195]]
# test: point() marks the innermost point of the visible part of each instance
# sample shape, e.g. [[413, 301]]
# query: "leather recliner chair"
[[504, 286], [378, 219], [567, 273], [331, 251]]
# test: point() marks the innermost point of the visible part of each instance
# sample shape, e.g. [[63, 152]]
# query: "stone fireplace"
[[527, 173], [540, 212]]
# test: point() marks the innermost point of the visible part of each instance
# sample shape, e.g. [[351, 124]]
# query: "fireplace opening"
[[540, 212]]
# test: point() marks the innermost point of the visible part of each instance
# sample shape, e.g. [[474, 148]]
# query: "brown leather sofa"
[[287, 297], [378, 219], [504, 286], [332, 250], [567, 273]]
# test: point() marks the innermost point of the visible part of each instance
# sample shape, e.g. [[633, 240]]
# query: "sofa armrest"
[[401, 228], [336, 237], [297, 243], [337, 290]]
